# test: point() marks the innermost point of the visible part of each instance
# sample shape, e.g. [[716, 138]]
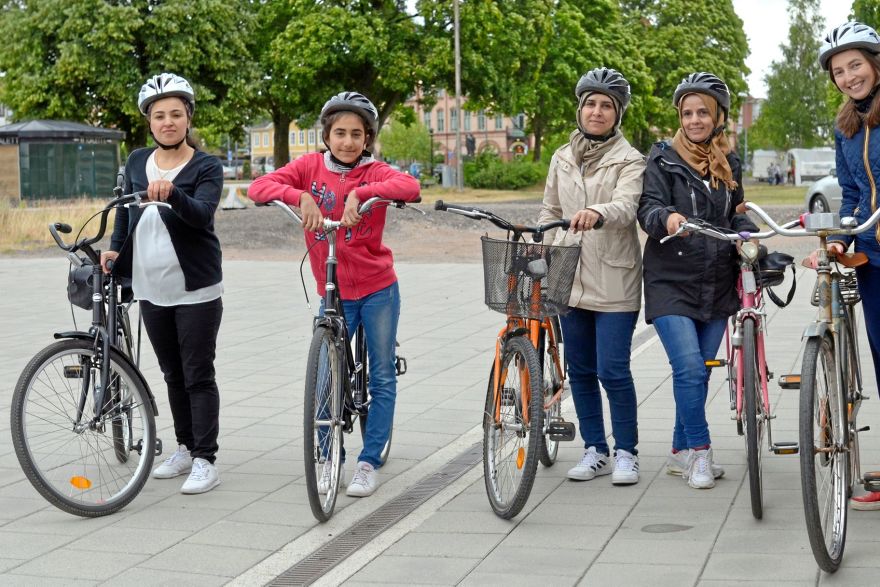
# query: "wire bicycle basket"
[[528, 279], [849, 289]]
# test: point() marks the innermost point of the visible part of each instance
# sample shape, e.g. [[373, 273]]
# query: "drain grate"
[[314, 566]]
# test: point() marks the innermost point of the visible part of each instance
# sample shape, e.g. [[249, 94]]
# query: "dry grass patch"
[[25, 228]]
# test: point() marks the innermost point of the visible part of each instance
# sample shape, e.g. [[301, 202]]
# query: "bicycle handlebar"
[[86, 243], [702, 227], [334, 224], [517, 229], [786, 231]]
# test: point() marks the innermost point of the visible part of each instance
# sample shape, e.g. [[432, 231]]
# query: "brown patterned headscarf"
[[709, 157]]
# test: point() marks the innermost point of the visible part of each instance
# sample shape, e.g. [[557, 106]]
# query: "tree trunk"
[[281, 151], [538, 131]]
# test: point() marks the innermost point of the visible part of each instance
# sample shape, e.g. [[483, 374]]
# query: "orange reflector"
[[80, 482], [713, 363], [520, 457]]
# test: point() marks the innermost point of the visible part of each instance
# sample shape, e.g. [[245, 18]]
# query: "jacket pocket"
[[618, 247]]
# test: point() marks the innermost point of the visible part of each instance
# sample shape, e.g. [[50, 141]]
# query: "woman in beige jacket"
[[596, 180]]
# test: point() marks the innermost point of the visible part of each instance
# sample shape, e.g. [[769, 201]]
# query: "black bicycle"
[[337, 381], [83, 416]]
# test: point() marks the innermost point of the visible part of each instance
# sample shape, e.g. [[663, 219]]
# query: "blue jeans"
[[597, 349], [689, 344], [379, 312], [868, 277]]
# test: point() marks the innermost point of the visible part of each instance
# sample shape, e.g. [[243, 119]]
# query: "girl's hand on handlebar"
[[312, 218], [833, 248], [673, 222], [584, 220], [159, 190], [108, 256], [350, 216]]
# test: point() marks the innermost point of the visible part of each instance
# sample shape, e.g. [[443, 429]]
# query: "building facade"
[[262, 144]]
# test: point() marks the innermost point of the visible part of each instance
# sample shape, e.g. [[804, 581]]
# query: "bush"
[[488, 171]]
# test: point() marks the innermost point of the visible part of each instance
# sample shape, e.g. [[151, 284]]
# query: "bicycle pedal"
[[158, 447], [712, 363], [871, 481], [790, 381], [560, 430], [400, 365], [863, 429], [785, 448]]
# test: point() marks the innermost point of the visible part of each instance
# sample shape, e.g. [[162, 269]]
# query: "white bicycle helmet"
[[703, 82], [166, 85], [605, 81], [850, 35], [352, 102]]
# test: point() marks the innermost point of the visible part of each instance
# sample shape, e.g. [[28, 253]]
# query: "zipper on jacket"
[[694, 201], [870, 178]]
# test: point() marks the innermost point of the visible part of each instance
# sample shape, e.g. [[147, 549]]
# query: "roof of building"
[[58, 129]]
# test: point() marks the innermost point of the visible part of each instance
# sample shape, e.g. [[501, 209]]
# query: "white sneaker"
[[676, 464], [204, 477], [179, 463], [699, 469], [326, 472], [364, 482], [592, 464], [626, 468]]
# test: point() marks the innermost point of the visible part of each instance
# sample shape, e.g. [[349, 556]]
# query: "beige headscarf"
[[706, 158]]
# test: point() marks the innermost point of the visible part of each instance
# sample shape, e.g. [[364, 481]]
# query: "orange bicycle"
[[522, 422]]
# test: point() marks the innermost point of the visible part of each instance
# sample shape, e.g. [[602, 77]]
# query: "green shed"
[[42, 159]]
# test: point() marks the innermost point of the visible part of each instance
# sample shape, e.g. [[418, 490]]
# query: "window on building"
[[441, 122], [428, 119], [256, 140], [312, 136], [453, 119], [265, 139], [292, 138], [499, 121], [467, 119], [302, 137], [481, 120], [520, 121]]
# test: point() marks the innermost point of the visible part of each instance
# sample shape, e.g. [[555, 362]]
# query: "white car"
[[824, 194]]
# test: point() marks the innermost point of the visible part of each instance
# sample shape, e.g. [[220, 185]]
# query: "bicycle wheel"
[[511, 430], [550, 355], [823, 458], [121, 401], [323, 422], [73, 462], [753, 415]]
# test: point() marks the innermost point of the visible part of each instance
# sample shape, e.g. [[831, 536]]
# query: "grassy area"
[[25, 228], [765, 194]]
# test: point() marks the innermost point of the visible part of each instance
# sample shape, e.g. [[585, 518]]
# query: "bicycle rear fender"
[[80, 335], [817, 329]]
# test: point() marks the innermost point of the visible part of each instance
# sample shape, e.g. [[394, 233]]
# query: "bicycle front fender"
[[816, 329], [119, 355]]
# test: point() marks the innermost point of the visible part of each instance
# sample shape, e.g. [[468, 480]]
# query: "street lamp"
[[431, 152]]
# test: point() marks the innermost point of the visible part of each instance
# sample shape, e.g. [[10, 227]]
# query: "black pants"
[[184, 339]]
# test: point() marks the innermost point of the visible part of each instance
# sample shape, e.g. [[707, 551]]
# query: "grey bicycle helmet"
[[850, 35], [605, 81], [703, 82], [166, 85], [352, 102]]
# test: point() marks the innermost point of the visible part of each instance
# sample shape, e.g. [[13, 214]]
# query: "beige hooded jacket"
[[609, 276]]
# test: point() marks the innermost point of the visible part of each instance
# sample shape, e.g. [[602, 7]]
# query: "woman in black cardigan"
[[173, 257]]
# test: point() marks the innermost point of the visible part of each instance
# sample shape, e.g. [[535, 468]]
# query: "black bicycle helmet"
[[704, 83], [352, 102], [605, 81], [166, 85], [850, 35]]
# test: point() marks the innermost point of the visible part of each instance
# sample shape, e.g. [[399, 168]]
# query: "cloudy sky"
[[766, 26]]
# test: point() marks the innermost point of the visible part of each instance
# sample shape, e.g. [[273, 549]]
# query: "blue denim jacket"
[[856, 184]]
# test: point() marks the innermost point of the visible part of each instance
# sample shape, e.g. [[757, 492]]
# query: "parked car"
[[824, 194]]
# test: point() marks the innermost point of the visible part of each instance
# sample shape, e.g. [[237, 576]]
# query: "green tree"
[[402, 142], [86, 60], [866, 11], [678, 37], [796, 112]]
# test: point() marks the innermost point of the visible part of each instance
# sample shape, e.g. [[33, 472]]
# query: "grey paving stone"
[[479, 579], [638, 575], [138, 577], [121, 538], [415, 570], [466, 523], [78, 564], [244, 535], [206, 560], [537, 562], [770, 566], [430, 545]]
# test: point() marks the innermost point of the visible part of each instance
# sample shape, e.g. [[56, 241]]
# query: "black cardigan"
[[190, 220]]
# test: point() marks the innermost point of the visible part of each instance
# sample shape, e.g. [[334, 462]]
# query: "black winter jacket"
[[190, 220], [693, 276]]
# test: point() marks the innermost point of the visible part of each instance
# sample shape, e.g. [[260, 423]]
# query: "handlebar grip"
[[110, 263], [61, 227]]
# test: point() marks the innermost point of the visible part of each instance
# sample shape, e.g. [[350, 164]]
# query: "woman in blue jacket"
[[851, 55]]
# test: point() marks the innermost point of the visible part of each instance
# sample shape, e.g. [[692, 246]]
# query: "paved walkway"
[[258, 523]]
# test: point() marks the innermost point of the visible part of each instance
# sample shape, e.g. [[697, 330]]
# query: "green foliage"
[[796, 113], [866, 11], [678, 37], [86, 60], [488, 171], [400, 142]]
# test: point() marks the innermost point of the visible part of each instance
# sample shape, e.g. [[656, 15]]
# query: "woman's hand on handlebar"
[[834, 248], [584, 220], [312, 219], [674, 222], [108, 256], [350, 216], [159, 190]]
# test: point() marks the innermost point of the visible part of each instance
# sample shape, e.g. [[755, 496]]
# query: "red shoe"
[[868, 502]]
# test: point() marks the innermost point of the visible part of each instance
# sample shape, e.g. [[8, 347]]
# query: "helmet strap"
[[165, 147]]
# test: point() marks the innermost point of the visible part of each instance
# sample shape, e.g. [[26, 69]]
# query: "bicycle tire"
[[68, 465], [753, 414], [552, 380], [824, 467], [509, 481], [121, 425], [852, 371], [323, 402]]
